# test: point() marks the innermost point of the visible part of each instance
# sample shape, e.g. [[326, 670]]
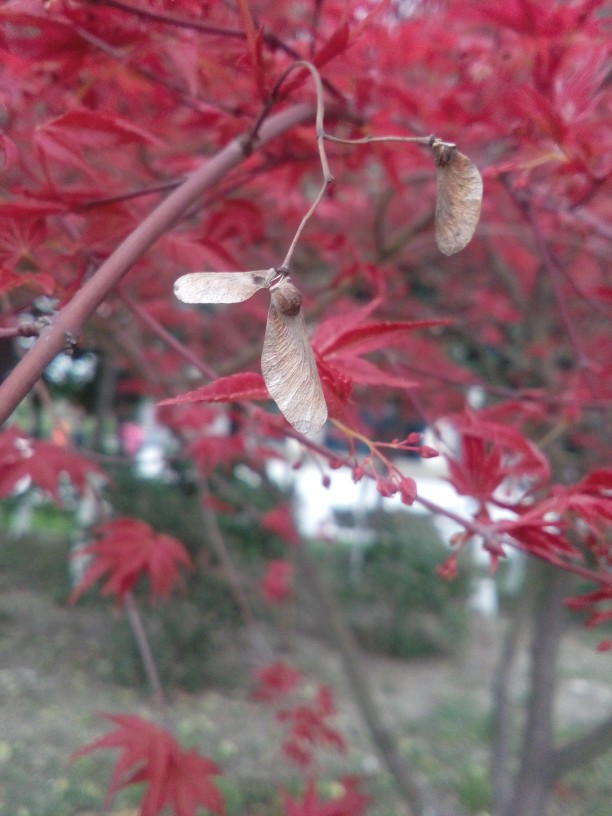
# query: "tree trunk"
[[534, 778], [503, 711], [104, 399], [357, 678]]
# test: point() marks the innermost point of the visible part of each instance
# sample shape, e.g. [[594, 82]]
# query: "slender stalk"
[[426, 141], [205, 28], [327, 175], [549, 263], [217, 542], [142, 641], [168, 338]]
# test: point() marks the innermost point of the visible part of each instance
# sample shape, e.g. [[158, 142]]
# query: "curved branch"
[[69, 320], [579, 751]]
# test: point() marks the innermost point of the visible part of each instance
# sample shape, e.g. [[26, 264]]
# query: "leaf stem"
[[146, 655]]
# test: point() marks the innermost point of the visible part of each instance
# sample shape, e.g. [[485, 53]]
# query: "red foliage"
[[25, 461], [275, 681], [236, 387], [127, 549], [307, 728], [276, 584], [493, 454], [175, 778], [280, 521], [108, 107], [350, 803]]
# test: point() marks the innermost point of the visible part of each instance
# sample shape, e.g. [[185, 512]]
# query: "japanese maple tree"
[[330, 154]]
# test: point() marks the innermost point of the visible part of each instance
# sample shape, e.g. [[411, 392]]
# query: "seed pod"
[[221, 287], [288, 364], [459, 197], [286, 298]]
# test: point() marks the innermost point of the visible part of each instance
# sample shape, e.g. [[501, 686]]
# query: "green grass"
[[38, 561]]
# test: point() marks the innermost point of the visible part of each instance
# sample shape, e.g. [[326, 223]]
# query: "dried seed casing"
[[221, 287], [458, 200], [286, 298], [287, 362]]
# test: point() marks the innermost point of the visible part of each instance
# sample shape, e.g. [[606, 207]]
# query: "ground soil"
[[50, 689]]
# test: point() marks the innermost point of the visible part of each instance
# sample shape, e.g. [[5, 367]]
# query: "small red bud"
[[449, 569], [326, 481], [408, 490], [358, 473], [386, 488], [413, 438], [426, 452]]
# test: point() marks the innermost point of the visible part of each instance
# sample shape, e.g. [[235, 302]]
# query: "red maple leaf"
[[43, 463], [490, 454], [597, 603], [127, 549], [351, 803], [339, 344], [280, 521], [275, 681], [66, 138], [276, 583], [175, 778], [243, 386], [308, 728]]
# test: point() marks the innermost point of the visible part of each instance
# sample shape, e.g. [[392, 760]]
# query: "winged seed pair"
[[287, 360]]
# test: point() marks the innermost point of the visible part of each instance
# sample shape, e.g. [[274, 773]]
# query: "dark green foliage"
[[394, 599], [38, 560], [191, 649], [174, 508], [195, 637]]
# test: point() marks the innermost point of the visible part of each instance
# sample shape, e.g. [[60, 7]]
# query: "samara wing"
[[288, 364], [221, 287], [458, 200]]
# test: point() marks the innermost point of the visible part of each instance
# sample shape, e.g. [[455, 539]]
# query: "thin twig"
[[218, 544], [320, 112], [142, 641], [426, 141], [582, 360], [169, 339]]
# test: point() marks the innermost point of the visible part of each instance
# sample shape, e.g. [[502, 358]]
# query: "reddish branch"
[[70, 320]]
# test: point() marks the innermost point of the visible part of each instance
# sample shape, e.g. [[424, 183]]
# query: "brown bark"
[[581, 750], [335, 624], [534, 780], [503, 711]]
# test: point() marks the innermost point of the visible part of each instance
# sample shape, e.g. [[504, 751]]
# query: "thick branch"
[[70, 320], [581, 750], [533, 781], [503, 711]]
